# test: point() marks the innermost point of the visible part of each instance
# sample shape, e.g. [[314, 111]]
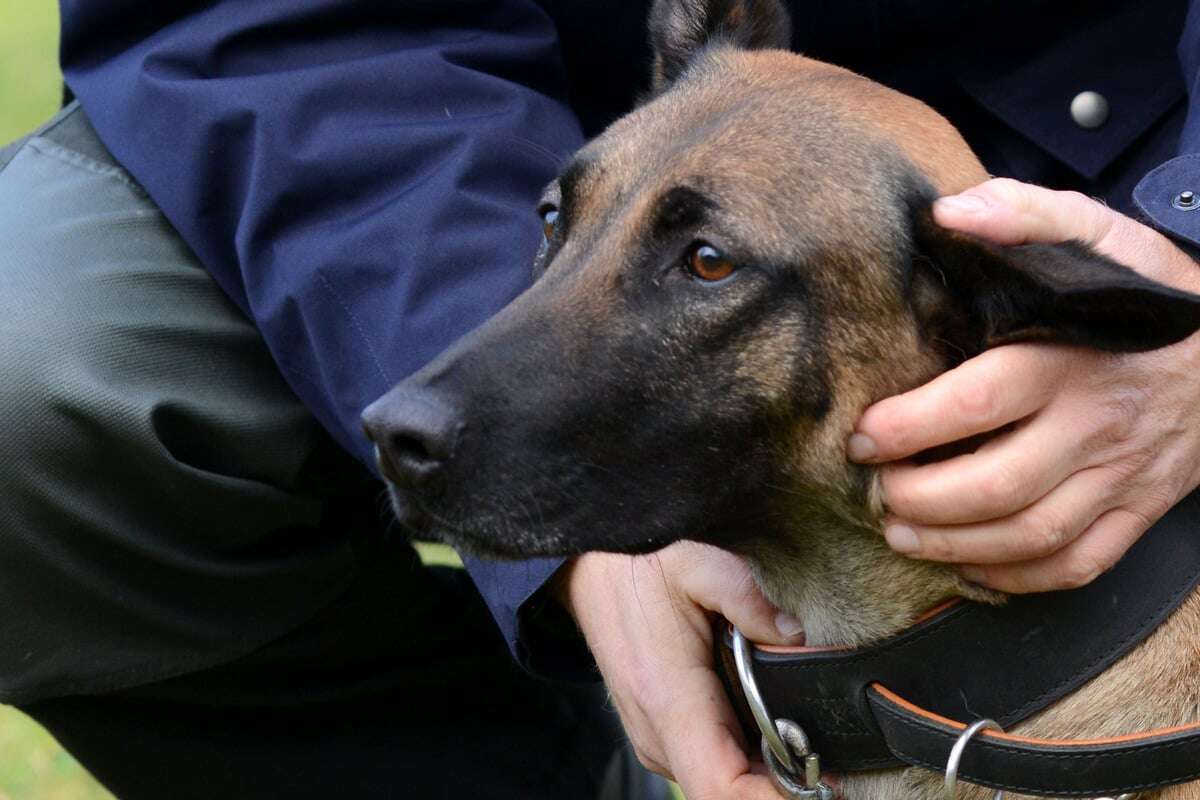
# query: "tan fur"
[[1155, 686], [799, 150], [926, 138], [842, 581]]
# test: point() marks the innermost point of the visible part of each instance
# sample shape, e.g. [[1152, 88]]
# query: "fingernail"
[[861, 447], [788, 626], [902, 539], [973, 574], [962, 203]]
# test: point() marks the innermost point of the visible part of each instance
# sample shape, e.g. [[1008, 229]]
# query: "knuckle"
[[1000, 489], [1084, 569], [1007, 189], [1151, 505], [896, 493], [1045, 534], [1157, 503], [1096, 218], [894, 431], [976, 402], [745, 588], [1118, 417], [1124, 474], [938, 547], [907, 499]]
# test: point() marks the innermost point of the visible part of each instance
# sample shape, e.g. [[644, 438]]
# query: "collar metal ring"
[[766, 725], [964, 738]]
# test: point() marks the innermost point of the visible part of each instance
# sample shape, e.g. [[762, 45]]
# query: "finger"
[[1009, 212], [1040, 530], [703, 749], [1077, 564], [722, 582], [1001, 478], [991, 390]]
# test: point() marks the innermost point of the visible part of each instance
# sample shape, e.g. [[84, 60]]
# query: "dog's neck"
[[833, 571]]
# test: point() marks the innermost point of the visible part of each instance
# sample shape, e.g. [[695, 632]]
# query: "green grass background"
[[32, 765], [29, 79]]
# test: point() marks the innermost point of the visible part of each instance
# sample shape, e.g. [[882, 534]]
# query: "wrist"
[[576, 580], [559, 587]]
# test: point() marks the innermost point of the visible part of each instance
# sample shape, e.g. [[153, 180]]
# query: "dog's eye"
[[708, 263], [549, 218]]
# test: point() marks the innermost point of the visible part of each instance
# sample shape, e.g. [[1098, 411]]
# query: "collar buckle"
[[795, 769]]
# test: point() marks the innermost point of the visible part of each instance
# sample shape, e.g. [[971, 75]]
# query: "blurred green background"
[[30, 86], [32, 765]]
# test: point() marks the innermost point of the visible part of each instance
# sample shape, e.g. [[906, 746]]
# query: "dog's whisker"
[[678, 615], [951, 346], [559, 158]]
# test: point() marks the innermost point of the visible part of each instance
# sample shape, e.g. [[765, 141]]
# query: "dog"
[[730, 275]]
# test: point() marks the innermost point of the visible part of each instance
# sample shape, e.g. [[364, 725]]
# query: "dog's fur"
[[621, 404]]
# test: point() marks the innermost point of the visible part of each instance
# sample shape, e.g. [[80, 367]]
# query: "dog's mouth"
[[501, 537]]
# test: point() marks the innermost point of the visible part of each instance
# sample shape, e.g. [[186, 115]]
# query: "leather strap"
[[1083, 768], [971, 661]]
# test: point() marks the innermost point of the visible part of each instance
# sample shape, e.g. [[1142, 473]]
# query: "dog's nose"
[[415, 432]]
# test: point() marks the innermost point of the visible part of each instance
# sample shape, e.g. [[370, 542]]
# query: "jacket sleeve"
[[1160, 195], [359, 177]]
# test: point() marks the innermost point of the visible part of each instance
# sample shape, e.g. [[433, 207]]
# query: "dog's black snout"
[[415, 433]]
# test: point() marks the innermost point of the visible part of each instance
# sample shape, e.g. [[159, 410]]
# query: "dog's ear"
[[970, 295], [681, 28]]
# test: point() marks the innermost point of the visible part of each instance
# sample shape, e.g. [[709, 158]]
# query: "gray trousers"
[[195, 595]]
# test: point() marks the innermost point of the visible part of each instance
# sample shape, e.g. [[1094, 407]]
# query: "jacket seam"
[[76, 159]]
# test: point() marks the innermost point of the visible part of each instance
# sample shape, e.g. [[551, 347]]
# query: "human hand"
[[1101, 444], [648, 621]]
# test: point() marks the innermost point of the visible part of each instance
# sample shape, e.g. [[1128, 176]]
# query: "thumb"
[[1009, 212], [722, 582]]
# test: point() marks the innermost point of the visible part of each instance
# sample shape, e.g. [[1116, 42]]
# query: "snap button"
[[1089, 109], [1186, 201]]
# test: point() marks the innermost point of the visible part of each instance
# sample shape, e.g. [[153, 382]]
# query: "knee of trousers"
[[154, 515], [157, 511], [91, 399], [121, 360]]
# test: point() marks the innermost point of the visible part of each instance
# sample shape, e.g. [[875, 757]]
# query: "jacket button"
[[1186, 200], [1089, 109]]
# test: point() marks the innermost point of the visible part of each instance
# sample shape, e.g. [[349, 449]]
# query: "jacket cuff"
[[1162, 198], [540, 634]]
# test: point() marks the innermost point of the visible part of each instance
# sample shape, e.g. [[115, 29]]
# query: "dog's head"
[[730, 275]]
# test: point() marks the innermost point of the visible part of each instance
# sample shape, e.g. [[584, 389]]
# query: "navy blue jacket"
[[360, 177]]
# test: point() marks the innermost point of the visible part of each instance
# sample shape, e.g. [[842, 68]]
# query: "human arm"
[[359, 179], [649, 621]]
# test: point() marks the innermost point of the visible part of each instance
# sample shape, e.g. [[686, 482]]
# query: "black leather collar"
[[903, 701]]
